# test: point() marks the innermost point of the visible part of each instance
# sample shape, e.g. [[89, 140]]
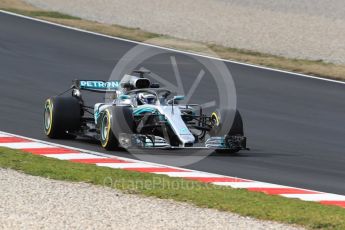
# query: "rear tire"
[[62, 116]]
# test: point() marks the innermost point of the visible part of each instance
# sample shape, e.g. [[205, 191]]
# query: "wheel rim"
[[215, 119]]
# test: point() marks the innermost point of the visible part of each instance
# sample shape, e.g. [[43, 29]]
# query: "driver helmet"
[[147, 98]]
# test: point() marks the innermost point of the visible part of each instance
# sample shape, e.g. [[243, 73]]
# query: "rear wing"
[[96, 85]]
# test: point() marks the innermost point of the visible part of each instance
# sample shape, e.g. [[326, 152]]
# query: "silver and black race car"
[[140, 114]]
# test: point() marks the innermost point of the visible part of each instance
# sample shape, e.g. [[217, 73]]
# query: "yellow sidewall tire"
[[106, 141]]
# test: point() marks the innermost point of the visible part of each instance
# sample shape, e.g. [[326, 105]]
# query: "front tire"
[[217, 118], [107, 137], [115, 120]]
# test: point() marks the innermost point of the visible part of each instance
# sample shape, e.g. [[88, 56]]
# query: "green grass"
[[258, 205], [41, 13]]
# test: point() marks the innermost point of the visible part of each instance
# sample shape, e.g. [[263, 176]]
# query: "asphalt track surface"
[[295, 125]]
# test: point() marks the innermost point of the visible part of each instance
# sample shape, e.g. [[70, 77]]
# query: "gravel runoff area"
[[304, 29], [29, 202]]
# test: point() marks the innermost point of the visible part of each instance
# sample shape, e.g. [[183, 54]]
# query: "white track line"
[[25, 145], [192, 173], [72, 156], [126, 165], [170, 49], [316, 197], [4, 135], [253, 184]]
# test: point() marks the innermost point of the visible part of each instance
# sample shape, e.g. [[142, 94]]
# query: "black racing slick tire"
[[237, 125], [218, 119], [115, 120], [107, 137], [62, 116]]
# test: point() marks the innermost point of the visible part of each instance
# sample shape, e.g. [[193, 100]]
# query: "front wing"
[[235, 143]]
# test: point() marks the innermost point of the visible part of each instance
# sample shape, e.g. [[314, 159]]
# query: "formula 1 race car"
[[140, 114]]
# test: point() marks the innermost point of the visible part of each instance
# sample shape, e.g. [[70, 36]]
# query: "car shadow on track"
[[184, 152]]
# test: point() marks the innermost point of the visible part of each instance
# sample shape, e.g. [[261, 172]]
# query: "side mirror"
[[178, 98], [124, 97], [76, 93], [175, 99]]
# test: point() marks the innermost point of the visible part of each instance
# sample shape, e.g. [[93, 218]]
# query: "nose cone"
[[187, 140]]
